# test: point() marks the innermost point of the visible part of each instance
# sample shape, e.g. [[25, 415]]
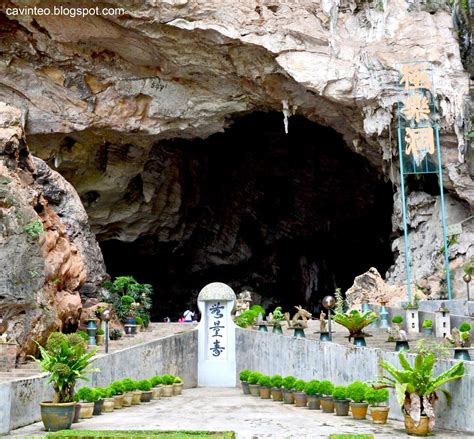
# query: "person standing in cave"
[[188, 316]]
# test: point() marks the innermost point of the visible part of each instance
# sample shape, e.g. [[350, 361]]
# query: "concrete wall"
[[310, 359], [176, 354]]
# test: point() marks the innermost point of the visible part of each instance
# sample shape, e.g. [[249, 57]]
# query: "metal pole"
[[443, 215], [106, 336], [329, 324], [405, 225]]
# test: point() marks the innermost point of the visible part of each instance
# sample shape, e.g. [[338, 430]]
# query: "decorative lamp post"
[[329, 302], [467, 278], [384, 324], [106, 319]]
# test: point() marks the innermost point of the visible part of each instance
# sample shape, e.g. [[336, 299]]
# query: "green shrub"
[[257, 309], [245, 319], [87, 394], [339, 393], [299, 385], [177, 380], [129, 385], [156, 380], [244, 374], [83, 335], [312, 387], [464, 327], [264, 380], [326, 388], [138, 320], [289, 382], [356, 391], [254, 377], [100, 392], [397, 319], [277, 381], [144, 385], [427, 323], [167, 379], [117, 387], [115, 334], [127, 300], [100, 331], [376, 396]]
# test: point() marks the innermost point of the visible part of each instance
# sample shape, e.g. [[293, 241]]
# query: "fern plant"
[[355, 322]]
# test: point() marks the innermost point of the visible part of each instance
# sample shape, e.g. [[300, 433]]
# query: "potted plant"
[[118, 390], [98, 403], [128, 387], [415, 389], [461, 340], [108, 397], [85, 396], [397, 320], [300, 396], [100, 336], [355, 322], [145, 387], [136, 394], [376, 399], [427, 327], [276, 382], [157, 383], [177, 386], [139, 323], [341, 403], [276, 319], [115, 334], [253, 383], [244, 376], [312, 394], [168, 381], [65, 359], [356, 393], [288, 384], [326, 400], [264, 382]]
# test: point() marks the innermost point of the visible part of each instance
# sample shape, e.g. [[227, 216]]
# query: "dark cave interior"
[[288, 216]]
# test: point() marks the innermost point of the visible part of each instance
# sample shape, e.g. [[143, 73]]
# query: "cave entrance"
[[288, 216]]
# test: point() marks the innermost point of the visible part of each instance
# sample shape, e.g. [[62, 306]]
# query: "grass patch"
[[141, 434], [351, 436]]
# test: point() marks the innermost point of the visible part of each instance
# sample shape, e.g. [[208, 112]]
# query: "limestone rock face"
[[41, 268]]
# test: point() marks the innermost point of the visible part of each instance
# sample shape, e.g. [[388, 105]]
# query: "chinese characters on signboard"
[[416, 113], [216, 327]]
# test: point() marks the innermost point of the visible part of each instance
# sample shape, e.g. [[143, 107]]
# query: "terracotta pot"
[[177, 388], [77, 412], [254, 389], [300, 399], [327, 404], [313, 402], [108, 406], [167, 390], [98, 407], [118, 401], [342, 407], [87, 408], [277, 394], [57, 416], [127, 399], [146, 396], [288, 397], [137, 394], [359, 410], [156, 392], [379, 414], [245, 387], [265, 392], [421, 430]]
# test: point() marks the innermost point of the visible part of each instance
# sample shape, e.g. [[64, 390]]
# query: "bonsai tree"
[[299, 386], [416, 388], [397, 320], [254, 377], [167, 379], [65, 359], [264, 381], [129, 385], [356, 391], [117, 387], [144, 385], [276, 381], [244, 375], [156, 380], [355, 322], [277, 317], [326, 388], [86, 394], [427, 323], [460, 338], [288, 382], [339, 393], [376, 397], [312, 388]]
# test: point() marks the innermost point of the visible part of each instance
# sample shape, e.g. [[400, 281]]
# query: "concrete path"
[[227, 409]]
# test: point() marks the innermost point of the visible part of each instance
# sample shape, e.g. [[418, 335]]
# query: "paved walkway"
[[227, 409]]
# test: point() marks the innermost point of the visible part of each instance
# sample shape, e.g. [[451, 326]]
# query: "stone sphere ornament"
[[106, 315], [329, 302], [467, 278]]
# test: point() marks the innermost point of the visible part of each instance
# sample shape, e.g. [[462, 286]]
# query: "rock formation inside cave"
[[289, 216]]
